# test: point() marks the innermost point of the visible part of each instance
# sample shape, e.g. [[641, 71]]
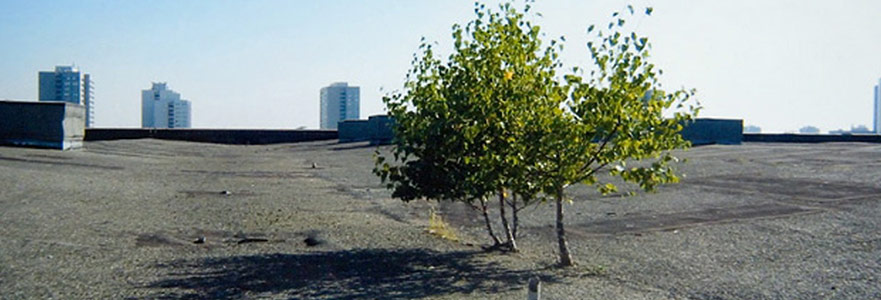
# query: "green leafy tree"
[[613, 117], [495, 118], [459, 124]]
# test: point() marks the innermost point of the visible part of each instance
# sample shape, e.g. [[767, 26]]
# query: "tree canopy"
[[496, 116]]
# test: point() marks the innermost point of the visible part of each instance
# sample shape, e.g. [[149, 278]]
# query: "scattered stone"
[[313, 241], [200, 240], [534, 288], [225, 192], [314, 166]]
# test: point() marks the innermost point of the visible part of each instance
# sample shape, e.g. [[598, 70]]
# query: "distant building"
[[66, 84], [877, 111], [752, 129], [89, 99], [163, 108], [339, 102], [859, 129], [809, 130]]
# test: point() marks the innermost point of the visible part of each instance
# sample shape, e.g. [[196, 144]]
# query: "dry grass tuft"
[[438, 227]]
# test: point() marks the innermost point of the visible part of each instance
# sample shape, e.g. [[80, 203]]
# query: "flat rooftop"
[[125, 219]]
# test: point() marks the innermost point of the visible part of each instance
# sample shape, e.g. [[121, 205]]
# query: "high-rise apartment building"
[[89, 99], [66, 84], [877, 112], [163, 108], [339, 102]]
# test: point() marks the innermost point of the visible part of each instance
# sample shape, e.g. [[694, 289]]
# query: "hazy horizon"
[[779, 65]]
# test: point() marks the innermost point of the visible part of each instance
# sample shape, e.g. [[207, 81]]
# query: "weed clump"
[[440, 228]]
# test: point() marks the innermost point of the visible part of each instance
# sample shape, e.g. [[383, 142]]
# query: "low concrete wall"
[[811, 138], [378, 130], [44, 124], [714, 131], [218, 136]]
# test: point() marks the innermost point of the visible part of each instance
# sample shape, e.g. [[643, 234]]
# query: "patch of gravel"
[[146, 219]]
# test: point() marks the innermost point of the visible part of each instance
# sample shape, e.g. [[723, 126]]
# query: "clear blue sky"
[[779, 64]]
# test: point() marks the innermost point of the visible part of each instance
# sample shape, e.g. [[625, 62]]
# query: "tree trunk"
[[514, 218], [565, 257], [511, 242], [489, 226]]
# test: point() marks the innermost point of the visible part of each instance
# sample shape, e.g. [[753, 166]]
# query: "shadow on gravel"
[[362, 273], [352, 146]]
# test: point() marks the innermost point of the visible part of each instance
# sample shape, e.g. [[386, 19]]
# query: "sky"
[[776, 64]]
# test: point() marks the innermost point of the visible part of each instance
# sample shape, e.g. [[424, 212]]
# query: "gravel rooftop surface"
[[148, 219]]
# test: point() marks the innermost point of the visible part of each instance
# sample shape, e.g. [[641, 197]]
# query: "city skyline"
[[779, 66]]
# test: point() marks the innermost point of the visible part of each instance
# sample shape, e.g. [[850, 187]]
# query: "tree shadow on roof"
[[360, 273]]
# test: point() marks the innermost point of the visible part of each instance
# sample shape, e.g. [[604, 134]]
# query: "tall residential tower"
[[89, 99], [339, 102], [877, 112], [66, 84], [163, 108]]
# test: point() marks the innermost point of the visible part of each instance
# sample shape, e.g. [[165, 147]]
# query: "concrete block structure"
[[376, 129], [381, 132], [353, 131], [44, 124], [714, 131]]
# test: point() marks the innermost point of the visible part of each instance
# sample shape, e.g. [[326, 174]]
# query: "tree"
[[614, 116], [496, 118], [459, 124]]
